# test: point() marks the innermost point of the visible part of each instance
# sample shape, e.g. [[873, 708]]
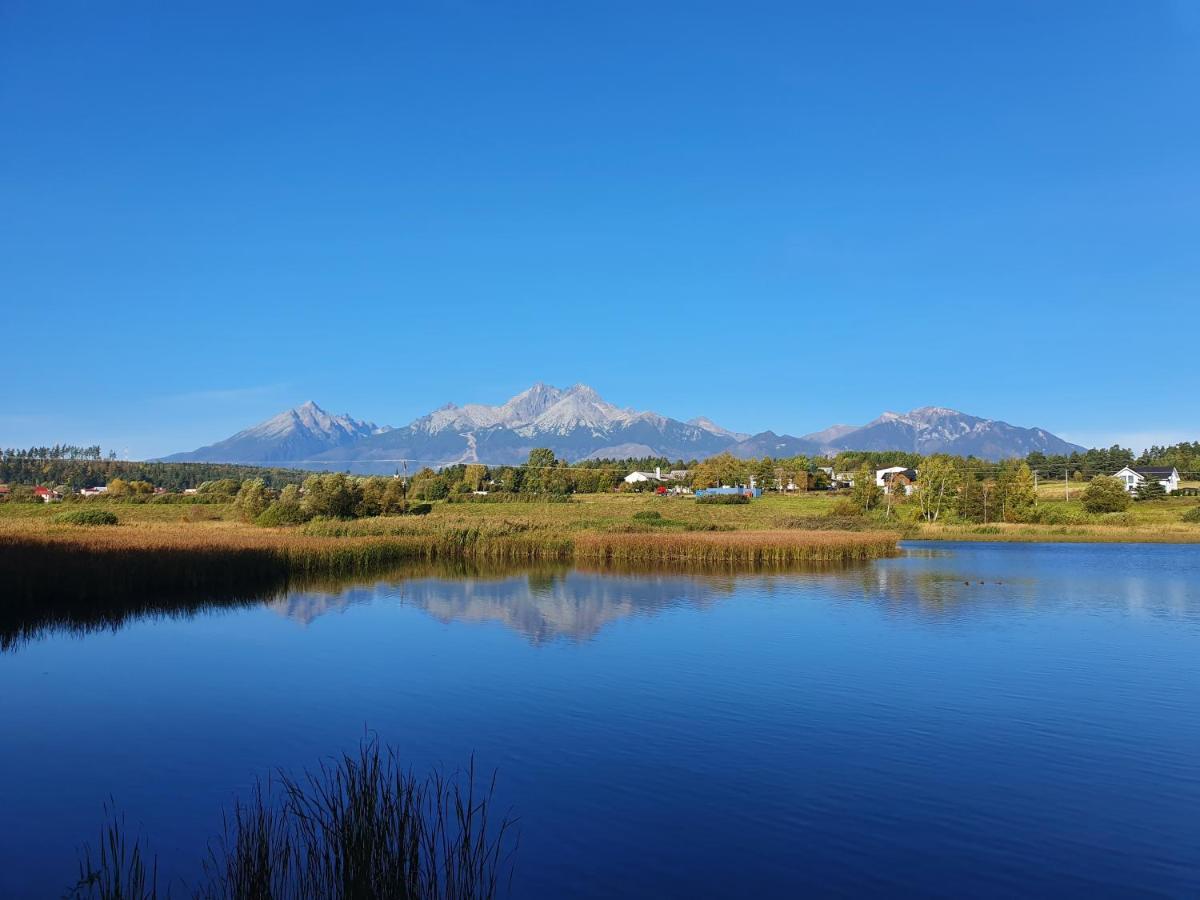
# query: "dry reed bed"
[[87, 566], [84, 579], [736, 547]]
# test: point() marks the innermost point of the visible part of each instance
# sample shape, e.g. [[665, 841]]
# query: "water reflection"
[[542, 605], [548, 603]]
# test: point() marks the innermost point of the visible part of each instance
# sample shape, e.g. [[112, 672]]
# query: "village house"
[[93, 491], [1132, 477], [47, 495], [896, 475]]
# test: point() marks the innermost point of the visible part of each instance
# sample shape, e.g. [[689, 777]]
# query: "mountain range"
[[577, 423]]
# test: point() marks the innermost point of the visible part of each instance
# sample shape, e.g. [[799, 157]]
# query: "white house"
[[1134, 477]]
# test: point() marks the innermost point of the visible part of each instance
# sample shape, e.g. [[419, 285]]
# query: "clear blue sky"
[[777, 215]]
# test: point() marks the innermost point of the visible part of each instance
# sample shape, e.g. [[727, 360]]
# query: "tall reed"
[[358, 826]]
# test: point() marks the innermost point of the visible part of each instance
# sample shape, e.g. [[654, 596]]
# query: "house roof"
[[1149, 471], [910, 474]]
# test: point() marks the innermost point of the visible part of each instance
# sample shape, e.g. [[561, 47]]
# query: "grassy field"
[[551, 529]]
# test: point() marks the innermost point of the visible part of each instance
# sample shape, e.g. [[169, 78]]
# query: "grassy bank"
[[162, 561], [196, 553]]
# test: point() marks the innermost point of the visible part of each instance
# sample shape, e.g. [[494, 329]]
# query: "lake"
[[966, 719]]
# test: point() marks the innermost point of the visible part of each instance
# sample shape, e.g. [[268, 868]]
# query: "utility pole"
[[1066, 482]]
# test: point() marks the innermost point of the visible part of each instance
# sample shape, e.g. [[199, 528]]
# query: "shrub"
[[509, 497], [1059, 514], [1192, 515], [419, 509], [845, 509], [280, 513], [1105, 494], [647, 515], [88, 517], [723, 499], [252, 499]]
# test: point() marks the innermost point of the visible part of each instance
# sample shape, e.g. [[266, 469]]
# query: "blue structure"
[[709, 492]]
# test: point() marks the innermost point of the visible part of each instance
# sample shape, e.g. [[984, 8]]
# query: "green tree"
[[509, 479], [333, 495], [429, 485], [371, 492], [1018, 495], [543, 474], [1105, 494], [1151, 489], [252, 499], [866, 493], [937, 486], [765, 476], [394, 501], [724, 469]]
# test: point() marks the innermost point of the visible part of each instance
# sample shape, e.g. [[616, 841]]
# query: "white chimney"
[[658, 472]]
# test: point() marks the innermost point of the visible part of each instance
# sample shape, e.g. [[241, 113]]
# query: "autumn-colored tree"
[[474, 476]]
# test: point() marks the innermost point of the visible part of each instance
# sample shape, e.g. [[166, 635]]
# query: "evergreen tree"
[[1151, 489]]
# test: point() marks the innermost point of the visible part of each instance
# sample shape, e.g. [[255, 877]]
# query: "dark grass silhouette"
[[358, 826]]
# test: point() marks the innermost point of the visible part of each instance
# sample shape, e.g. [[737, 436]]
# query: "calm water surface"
[[971, 719]]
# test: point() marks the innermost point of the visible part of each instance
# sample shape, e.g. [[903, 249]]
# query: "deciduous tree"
[[1105, 494]]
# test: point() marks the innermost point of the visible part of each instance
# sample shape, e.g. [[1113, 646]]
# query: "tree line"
[[72, 473]]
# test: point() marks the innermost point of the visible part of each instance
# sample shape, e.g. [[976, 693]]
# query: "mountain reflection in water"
[[542, 606]]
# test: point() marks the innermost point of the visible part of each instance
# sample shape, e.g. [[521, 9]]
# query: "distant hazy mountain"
[[289, 438], [930, 429], [933, 429], [577, 423]]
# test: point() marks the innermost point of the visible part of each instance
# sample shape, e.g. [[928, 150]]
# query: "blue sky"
[[776, 215]]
